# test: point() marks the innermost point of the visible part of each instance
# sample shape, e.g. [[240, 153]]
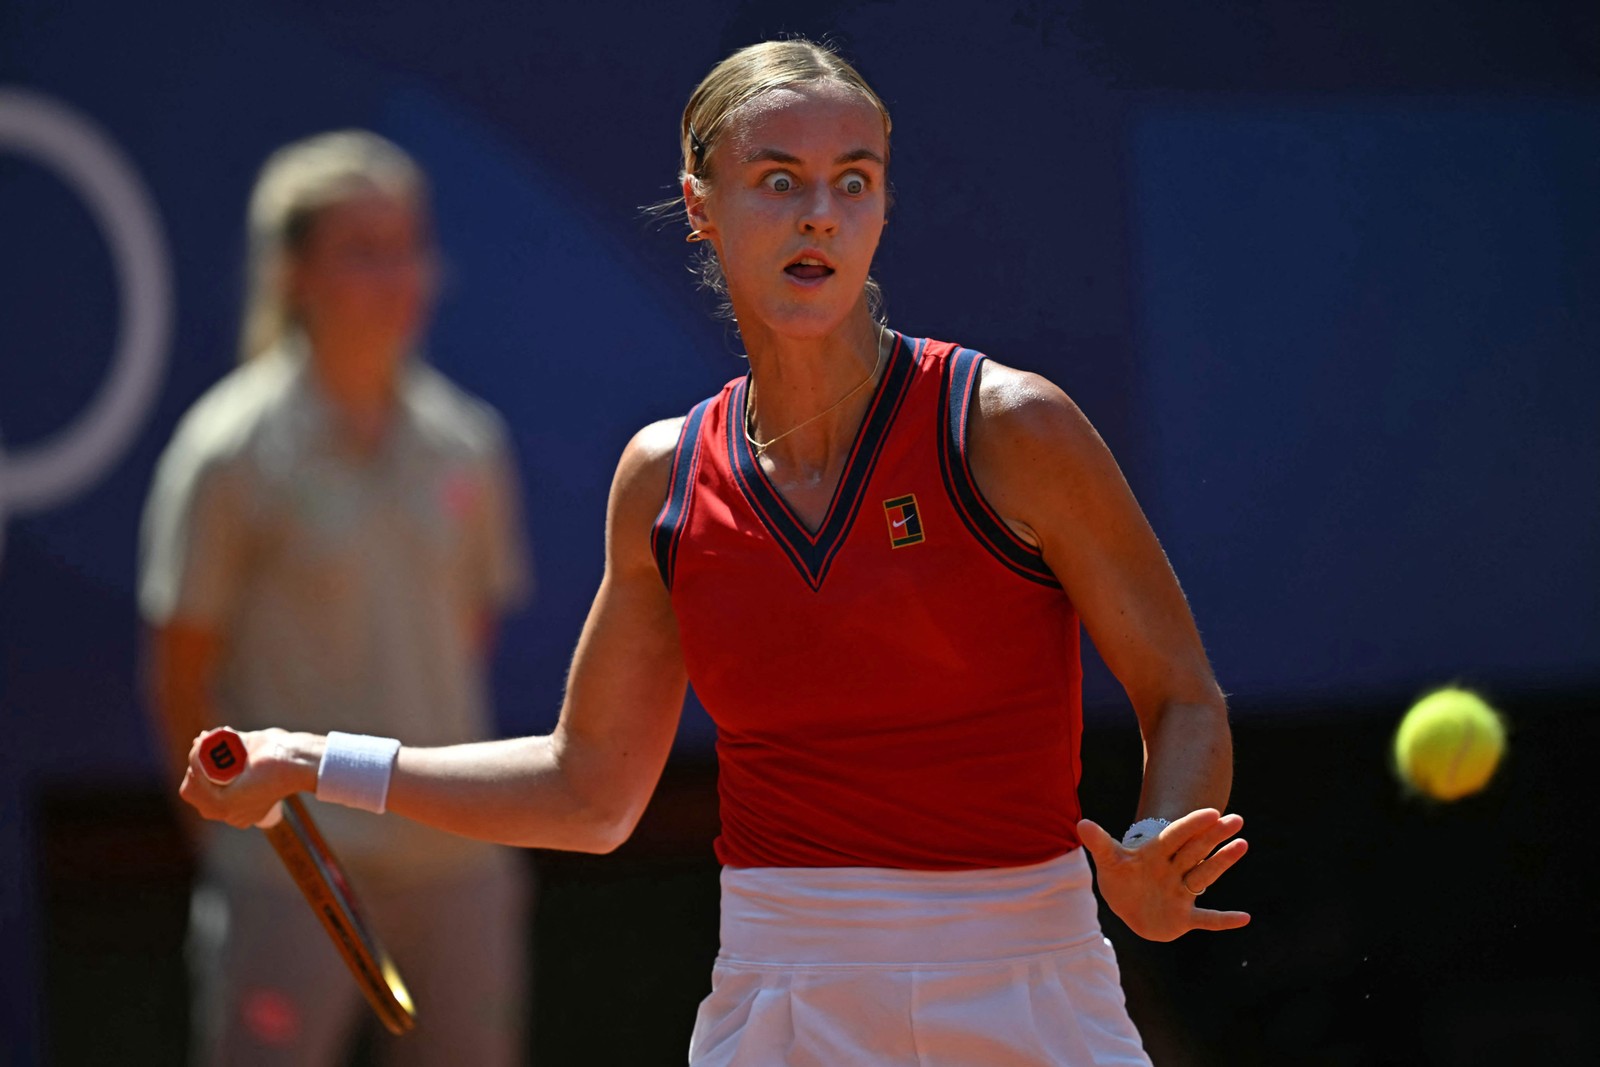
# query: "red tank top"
[[900, 688]]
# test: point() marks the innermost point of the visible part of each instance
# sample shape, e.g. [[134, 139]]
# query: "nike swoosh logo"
[[901, 522]]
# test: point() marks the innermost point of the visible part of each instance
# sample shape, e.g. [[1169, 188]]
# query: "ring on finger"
[[1184, 881]]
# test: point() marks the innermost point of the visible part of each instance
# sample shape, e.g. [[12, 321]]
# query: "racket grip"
[[223, 758]]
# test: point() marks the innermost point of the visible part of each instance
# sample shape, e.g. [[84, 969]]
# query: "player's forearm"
[[516, 792], [512, 792], [1188, 759]]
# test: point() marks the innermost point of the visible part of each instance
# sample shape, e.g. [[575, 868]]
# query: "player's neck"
[[809, 395]]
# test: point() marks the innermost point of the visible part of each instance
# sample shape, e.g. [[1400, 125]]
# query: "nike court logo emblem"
[[905, 525]]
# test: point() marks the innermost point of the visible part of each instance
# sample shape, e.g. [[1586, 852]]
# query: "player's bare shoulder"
[[644, 474], [659, 440], [1033, 453], [1022, 417], [646, 463]]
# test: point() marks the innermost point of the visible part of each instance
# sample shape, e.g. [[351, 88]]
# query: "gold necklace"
[[750, 409]]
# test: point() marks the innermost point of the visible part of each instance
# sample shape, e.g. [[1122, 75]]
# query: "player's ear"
[[694, 202]]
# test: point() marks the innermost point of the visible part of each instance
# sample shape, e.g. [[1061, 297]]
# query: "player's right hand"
[[272, 771]]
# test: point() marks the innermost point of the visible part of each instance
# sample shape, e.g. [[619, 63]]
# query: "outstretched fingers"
[[1204, 838], [1202, 876], [1206, 919], [1155, 887], [1183, 832]]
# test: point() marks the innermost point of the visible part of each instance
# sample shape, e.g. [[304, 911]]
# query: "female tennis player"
[[870, 555]]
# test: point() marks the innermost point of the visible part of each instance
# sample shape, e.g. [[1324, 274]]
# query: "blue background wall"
[[1323, 275]]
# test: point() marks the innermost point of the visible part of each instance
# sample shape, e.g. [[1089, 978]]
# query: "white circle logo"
[[59, 468]]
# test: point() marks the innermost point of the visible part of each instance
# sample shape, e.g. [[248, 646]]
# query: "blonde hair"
[[740, 78], [296, 183]]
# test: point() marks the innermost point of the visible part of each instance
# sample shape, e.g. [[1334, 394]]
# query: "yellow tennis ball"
[[1449, 744]]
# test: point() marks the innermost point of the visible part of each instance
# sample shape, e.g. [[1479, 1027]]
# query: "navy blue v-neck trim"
[[813, 554]]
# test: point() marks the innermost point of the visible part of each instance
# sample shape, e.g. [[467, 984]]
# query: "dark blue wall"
[[1323, 275]]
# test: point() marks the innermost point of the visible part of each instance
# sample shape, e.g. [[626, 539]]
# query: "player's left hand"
[[1156, 887]]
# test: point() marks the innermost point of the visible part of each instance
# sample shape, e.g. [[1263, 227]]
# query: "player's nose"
[[819, 211]]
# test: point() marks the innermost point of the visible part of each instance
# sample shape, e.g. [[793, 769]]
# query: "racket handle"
[[223, 758]]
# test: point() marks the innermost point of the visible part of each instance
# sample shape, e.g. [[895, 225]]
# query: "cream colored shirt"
[[347, 588]]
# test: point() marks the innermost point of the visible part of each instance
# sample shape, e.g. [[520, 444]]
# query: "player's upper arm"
[[1048, 473], [628, 680], [638, 491]]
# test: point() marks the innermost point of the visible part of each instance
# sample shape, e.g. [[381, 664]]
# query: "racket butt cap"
[[222, 755]]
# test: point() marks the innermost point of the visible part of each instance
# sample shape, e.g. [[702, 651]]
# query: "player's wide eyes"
[[853, 184], [779, 182]]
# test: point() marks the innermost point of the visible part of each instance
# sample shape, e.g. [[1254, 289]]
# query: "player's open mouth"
[[808, 268]]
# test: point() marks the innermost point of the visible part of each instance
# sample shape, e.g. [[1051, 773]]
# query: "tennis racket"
[[317, 872]]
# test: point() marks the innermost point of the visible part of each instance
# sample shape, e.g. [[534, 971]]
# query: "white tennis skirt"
[[838, 966]]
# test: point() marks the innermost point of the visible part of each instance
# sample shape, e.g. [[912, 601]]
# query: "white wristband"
[[355, 770], [1140, 833]]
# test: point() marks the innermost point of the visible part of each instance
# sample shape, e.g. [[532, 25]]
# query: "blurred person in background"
[[330, 537]]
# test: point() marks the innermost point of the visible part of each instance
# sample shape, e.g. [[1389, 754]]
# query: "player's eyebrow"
[[857, 155], [771, 155], [778, 155]]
